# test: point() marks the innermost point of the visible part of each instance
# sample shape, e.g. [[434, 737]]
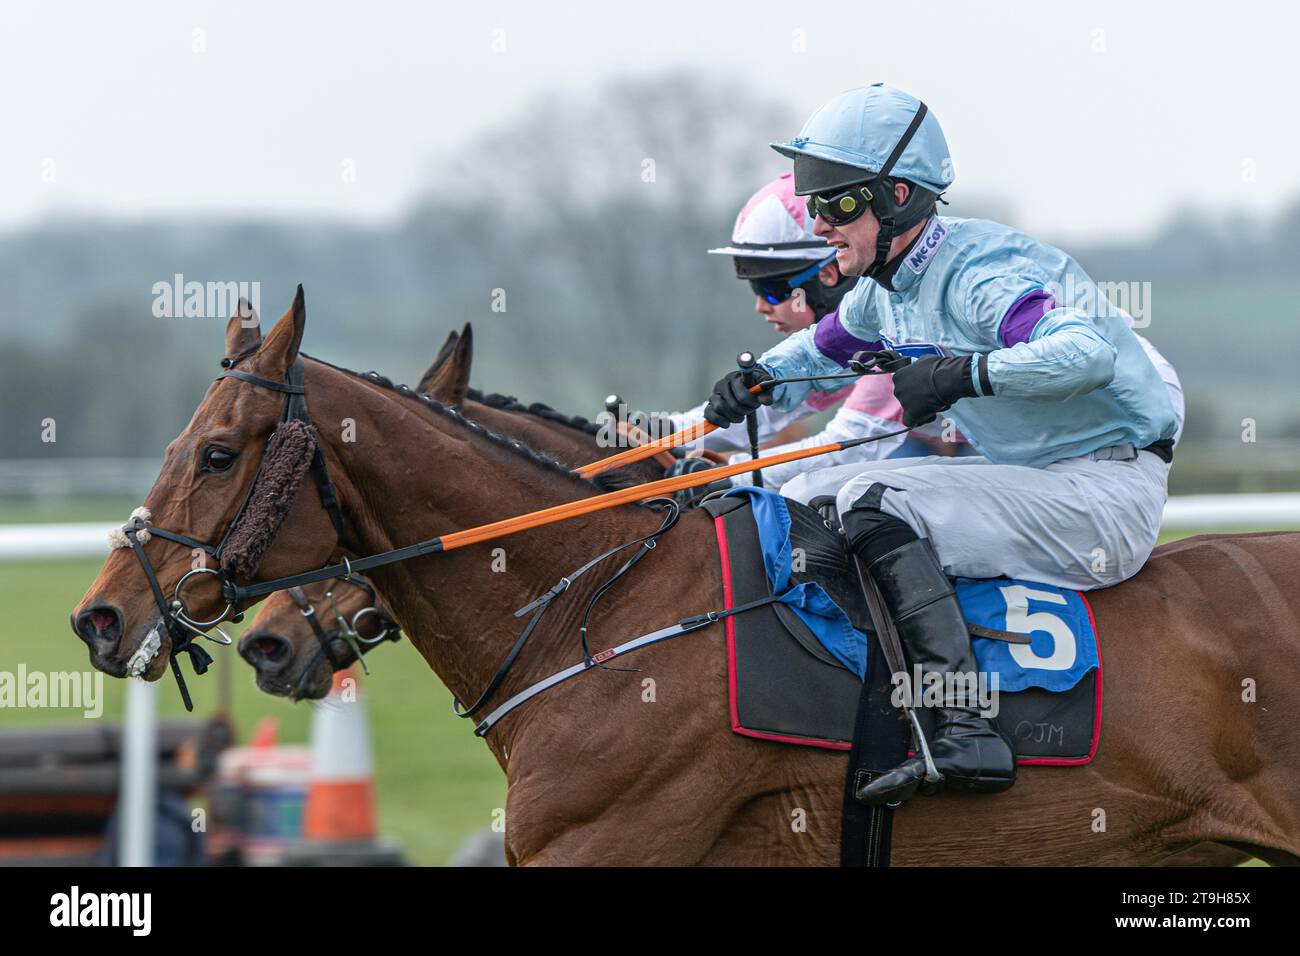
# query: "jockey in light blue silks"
[[1013, 341]]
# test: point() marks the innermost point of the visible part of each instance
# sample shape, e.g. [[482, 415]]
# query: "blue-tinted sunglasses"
[[777, 289]]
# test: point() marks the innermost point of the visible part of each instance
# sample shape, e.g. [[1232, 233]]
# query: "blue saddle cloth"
[[1063, 644]]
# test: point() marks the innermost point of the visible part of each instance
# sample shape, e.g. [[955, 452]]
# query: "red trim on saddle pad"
[[1096, 713], [719, 527]]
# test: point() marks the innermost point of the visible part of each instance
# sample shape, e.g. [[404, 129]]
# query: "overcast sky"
[[1092, 120]]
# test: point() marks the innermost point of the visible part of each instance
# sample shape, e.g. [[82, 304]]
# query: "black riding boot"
[[969, 752]]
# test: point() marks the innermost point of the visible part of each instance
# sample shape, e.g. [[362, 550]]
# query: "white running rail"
[[1185, 513]]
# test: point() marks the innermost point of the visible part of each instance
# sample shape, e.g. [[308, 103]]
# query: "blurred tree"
[[594, 214]]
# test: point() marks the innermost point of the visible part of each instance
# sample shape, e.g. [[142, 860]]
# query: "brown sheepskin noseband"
[[286, 460]]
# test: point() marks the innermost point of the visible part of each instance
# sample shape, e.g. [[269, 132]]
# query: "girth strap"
[[684, 626]]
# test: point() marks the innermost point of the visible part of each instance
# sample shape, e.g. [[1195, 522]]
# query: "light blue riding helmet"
[[862, 127], [868, 139]]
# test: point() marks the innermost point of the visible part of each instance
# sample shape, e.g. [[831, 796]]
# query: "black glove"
[[931, 385], [731, 400], [870, 363]]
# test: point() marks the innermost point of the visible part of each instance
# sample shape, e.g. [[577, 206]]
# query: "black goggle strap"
[[885, 237], [903, 140]]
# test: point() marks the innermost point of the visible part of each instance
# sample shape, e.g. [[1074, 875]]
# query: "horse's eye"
[[217, 459]]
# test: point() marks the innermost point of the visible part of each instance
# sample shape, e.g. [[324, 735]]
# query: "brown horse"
[[1198, 741], [281, 644]]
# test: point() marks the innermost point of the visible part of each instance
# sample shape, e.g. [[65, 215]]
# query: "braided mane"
[[537, 409], [609, 481]]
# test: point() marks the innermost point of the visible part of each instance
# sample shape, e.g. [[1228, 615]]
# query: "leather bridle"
[[181, 627], [348, 631]]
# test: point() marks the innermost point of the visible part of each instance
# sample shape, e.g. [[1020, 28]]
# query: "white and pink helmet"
[[773, 234]]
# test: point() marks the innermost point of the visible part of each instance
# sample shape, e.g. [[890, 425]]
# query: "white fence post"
[[137, 804]]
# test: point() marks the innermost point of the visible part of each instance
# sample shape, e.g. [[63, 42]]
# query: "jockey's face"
[[855, 242], [794, 313]]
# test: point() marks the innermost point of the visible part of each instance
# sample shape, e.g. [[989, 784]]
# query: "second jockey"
[[796, 284]]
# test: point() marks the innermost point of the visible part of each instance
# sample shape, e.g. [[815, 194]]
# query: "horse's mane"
[[538, 410], [610, 481]]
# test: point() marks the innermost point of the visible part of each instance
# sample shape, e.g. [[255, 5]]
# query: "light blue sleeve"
[[1067, 353], [794, 356], [798, 354]]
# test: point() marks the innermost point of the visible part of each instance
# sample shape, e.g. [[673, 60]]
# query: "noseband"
[[182, 628], [349, 631]]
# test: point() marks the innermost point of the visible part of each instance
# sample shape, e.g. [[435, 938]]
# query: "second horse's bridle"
[[348, 631]]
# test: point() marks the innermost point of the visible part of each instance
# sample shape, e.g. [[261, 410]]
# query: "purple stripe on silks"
[[837, 343], [1018, 324]]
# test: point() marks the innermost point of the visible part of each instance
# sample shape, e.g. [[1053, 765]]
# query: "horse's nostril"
[[262, 649], [99, 624]]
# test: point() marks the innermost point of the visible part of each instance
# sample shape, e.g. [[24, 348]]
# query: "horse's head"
[[231, 484], [302, 636], [297, 640]]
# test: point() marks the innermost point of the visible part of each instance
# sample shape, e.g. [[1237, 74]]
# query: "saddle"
[[796, 677]]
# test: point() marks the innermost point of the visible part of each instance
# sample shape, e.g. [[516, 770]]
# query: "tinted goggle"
[[779, 288], [842, 207]]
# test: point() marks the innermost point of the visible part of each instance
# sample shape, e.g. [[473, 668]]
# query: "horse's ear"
[[439, 360], [280, 347], [450, 380], [243, 331]]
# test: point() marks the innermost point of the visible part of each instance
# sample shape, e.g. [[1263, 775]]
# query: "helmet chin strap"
[[884, 239], [883, 203]]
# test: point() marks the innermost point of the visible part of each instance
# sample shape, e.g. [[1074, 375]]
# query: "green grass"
[[436, 781], [56, 509]]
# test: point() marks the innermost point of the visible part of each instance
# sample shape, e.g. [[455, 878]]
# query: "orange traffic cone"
[[341, 796], [266, 733]]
